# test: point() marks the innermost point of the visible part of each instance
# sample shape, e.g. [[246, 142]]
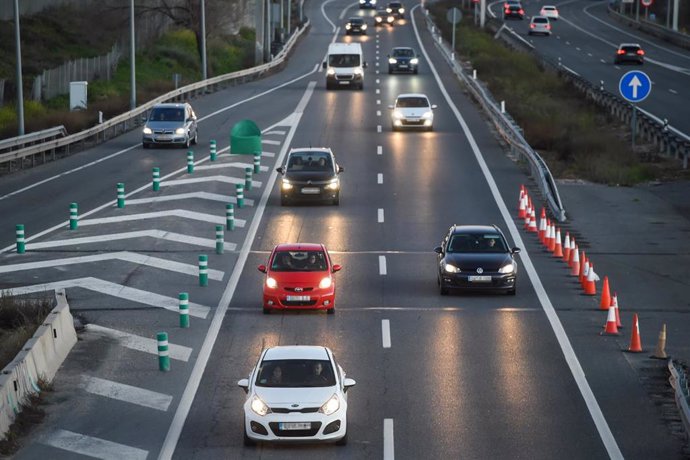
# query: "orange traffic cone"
[[575, 267], [614, 304], [610, 327], [542, 228], [557, 246], [590, 285], [635, 341], [584, 269], [606, 300], [573, 249], [552, 237], [522, 208], [532, 228], [528, 213], [566, 247]]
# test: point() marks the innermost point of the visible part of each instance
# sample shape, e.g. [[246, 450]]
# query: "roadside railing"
[[679, 382], [506, 126], [129, 120], [671, 36]]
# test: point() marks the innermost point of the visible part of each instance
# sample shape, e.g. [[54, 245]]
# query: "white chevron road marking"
[[126, 393], [229, 165], [188, 196], [182, 213], [198, 180], [139, 343], [92, 447]]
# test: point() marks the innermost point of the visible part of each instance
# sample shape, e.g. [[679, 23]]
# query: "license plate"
[[298, 298], [311, 191], [479, 278], [403, 66], [164, 137], [344, 82], [294, 426]]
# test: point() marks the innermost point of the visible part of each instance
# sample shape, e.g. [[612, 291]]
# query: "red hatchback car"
[[299, 276]]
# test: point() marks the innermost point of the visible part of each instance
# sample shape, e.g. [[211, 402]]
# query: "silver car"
[[170, 123], [540, 25]]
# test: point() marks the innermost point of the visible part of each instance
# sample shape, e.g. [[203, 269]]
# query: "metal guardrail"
[[506, 126], [128, 120], [679, 382], [15, 144], [671, 36]]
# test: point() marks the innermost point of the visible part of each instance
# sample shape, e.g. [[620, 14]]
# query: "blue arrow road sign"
[[635, 86]]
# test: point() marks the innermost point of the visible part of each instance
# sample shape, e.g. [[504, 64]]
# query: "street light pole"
[[20, 83], [204, 74], [132, 65]]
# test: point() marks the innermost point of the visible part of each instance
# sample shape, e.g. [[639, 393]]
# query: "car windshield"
[[630, 49], [356, 21], [412, 102], [343, 60], [295, 373], [476, 243], [299, 261], [167, 114], [540, 20], [309, 161], [403, 52]]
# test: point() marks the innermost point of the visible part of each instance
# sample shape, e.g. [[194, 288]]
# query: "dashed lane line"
[[126, 393], [379, 178], [139, 343], [92, 447], [382, 265], [388, 440], [379, 150], [386, 333], [380, 215]]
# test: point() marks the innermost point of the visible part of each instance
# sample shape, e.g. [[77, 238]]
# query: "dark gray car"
[[170, 123], [310, 174]]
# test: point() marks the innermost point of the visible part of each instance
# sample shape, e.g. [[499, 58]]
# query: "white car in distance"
[[549, 11], [412, 111], [296, 393]]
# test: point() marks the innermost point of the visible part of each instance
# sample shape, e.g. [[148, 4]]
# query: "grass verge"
[[32, 414], [19, 319]]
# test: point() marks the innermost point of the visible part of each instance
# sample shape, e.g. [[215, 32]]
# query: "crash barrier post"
[[163, 356], [230, 216], [184, 309], [21, 242], [156, 179], [203, 270], [248, 179], [240, 195], [190, 161], [120, 195], [213, 151], [220, 239], [73, 216]]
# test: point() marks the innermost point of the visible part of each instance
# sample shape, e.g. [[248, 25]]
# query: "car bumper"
[[636, 59], [163, 140], [318, 300], [324, 428], [417, 123], [308, 193], [462, 281], [402, 67], [357, 31], [345, 80]]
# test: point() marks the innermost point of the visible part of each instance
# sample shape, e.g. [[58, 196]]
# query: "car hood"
[[470, 261], [164, 124], [305, 397], [314, 176], [304, 279], [414, 111]]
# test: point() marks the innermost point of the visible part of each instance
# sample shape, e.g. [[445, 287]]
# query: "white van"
[[344, 65]]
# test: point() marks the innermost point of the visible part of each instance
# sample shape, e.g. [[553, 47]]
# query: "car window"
[[630, 48], [403, 52], [167, 114], [299, 261], [540, 20], [295, 373], [412, 102], [343, 60], [356, 21], [476, 243], [309, 161]]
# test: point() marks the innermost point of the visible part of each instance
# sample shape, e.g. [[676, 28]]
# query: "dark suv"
[[629, 52], [403, 59], [397, 9], [310, 174], [355, 26], [476, 257]]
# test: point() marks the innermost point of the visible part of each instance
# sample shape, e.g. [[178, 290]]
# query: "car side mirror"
[[280, 169], [434, 106], [348, 383], [515, 251], [262, 268], [323, 64], [244, 384], [438, 250], [340, 169], [337, 268]]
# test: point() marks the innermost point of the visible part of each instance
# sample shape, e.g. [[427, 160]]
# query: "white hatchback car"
[[549, 11], [539, 25], [296, 393], [412, 110]]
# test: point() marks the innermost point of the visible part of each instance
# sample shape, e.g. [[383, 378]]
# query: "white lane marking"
[[602, 61], [158, 234], [116, 290], [377, 64], [589, 54], [379, 150], [268, 154], [388, 441], [673, 91], [378, 81], [139, 343], [577, 48], [377, 71], [276, 132], [378, 101], [200, 180], [378, 128], [241, 166], [378, 91], [126, 393], [386, 333], [187, 196], [182, 213], [382, 265], [563, 340], [168, 447], [567, 43], [378, 113], [379, 178], [380, 216], [323, 12], [125, 256], [270, 142], [92, 447], [377, 52]]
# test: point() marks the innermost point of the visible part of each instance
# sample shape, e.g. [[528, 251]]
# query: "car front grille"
[[292, 289], [285, 410], [344, 77], [162, 131], [315, 426], [299, 303], [419, 122]]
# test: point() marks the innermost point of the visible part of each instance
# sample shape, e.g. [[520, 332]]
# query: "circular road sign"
[[647, 3], [635, 86], [454, 15]]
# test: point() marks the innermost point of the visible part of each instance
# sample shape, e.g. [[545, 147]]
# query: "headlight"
[[414, 61], [361, 2], [397, 115], [330, 406], [271, 283], [180, 131], [428, 115], [364, 27], [333, 185], [286, 185], [378, 19], [148, 130], [507, 268], [347, 26], [392, 60], [401, 10], [389, 10], [330, 71], [259, 407], [448, 268], [325, 283], [358, 71]]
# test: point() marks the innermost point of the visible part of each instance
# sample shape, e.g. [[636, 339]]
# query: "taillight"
[[531, 26], [548, 26], [521, 12], [620, 52], [640, 52], [507, 10]]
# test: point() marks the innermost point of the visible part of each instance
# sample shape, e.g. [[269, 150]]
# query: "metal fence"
[[679, 382]]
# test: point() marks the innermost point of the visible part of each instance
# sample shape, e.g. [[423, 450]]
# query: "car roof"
[[171, 104], [411, 95], [629, 44], [296, 352], [548, 7], [298, 247], [540, 17], [474, 229], [310, 149], [403, 48]]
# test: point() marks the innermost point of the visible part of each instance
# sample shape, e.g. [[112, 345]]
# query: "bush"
[[19, 319]]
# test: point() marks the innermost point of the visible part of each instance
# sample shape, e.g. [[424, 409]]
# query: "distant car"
[[296, 393], [170, 123], [629, 52], [383, 17], [476, 257], [299, 276], [549, 11], [364, 4], [539, 25], [355, 26], [310, 174], [511, 2], [397, 9], [412, 111], [403, 59], [513, 11]]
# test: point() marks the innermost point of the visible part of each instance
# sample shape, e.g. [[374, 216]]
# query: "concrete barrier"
[[40, 358]]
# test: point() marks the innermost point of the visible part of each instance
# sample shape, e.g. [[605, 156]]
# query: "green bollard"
[[220, 239], [156, 179], [73, 216], [248, 179], [240, 195], [257, 162], [203, 270], [190, 162], [184, 309], [163, 356], [21, 243], [213, 150], [230, 217], [120, 195]]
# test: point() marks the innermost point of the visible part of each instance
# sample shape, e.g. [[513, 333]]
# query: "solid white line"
[[125, 256], [382, 265], [168, 448], [379, 150], [159, 234], [388, 441], [191, 195], [323, 12], [199, 180], [115, 290], [386, 333], [379, 178], [139, 343], [92, 447], [563, 340], [126, 393], [378, 128], [181, 213], [380, 215]]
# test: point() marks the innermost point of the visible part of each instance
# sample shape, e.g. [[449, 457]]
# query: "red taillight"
[[507, 10], [620, 52], [531, 26], [548, 26], [522, 12], [640, 52]]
